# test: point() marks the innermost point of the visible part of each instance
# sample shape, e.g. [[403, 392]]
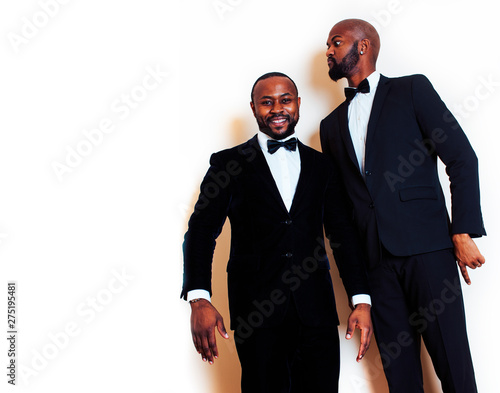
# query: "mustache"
[[270, 118], [330, 58]]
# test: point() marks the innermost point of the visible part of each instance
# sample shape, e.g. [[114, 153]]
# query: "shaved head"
[[361, 30]]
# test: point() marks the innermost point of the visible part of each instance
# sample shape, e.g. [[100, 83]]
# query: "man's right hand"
[[360, 318], [204, 319]]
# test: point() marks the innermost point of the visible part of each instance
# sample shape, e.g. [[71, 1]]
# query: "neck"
[[355, 80], [277, 137]]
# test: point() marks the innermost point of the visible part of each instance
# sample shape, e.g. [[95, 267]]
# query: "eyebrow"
[[333, 38], [270, 97]]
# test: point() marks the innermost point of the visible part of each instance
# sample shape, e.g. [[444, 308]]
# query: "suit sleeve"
[[441, 128], [344, 238], [204, 227]]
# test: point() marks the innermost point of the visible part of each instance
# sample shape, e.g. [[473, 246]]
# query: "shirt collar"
[[373, 80]]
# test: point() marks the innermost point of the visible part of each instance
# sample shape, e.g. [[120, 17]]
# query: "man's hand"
[[467, 254], [360, 319], [204, 319]]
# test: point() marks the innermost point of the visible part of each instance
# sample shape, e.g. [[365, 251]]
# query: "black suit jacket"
[[399, 202], [275, 254]]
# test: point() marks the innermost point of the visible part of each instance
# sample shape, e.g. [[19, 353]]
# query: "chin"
[[335, 76], [278, 135]]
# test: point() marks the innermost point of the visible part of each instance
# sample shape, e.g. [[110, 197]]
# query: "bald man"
[[386, 138]]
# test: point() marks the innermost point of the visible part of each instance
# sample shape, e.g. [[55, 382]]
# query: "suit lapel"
[[306, 174], [262, 170], [346, 135], [378, 102]]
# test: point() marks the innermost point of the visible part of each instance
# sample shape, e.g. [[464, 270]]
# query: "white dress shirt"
[[358, 115], [285, 169]]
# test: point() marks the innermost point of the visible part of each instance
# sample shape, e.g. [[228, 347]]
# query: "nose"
[[330, 52], [277, 107]]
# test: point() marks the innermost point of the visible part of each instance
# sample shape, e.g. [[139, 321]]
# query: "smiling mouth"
[[278, 121]]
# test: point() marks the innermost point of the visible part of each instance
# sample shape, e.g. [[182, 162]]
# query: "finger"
[[465, 274], [196, 340], [364, 345], [212, 343], [475, 263], [361, 353], [196, 343], [471, 264], [350, 328], [205, 350], [221, 328]]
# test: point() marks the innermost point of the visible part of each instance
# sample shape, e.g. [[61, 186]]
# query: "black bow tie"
[[273, 145], [350, 92]]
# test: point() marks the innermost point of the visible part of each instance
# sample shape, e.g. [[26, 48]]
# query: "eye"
[[337, 43], [266, 102], [286, 100]]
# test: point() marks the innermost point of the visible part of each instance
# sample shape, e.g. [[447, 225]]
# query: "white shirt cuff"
[[357, 299], [200, 294]]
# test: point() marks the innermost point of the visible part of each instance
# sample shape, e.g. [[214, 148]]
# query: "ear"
[[253, 108], [363, 45], [298, 102]]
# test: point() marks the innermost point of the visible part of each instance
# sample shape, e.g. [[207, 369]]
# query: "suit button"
[[368, 173], [288, 255], [288, 222], [371, 206]]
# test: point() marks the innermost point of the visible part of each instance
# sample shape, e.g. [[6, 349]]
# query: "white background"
[[121, 210]]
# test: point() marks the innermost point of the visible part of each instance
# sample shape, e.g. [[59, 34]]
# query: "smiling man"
[[278, 195], [387, 137]]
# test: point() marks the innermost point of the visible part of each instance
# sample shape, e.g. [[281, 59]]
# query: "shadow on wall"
[[331, 93], [226, 370], [225, 373]]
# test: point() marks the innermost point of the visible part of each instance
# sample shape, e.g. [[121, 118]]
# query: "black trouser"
[[414, 297], [290, 358]]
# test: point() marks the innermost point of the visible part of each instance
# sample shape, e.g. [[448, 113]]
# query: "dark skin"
[[275, 105], [467, 254], [360, 319], [204, 320], [340, 41]]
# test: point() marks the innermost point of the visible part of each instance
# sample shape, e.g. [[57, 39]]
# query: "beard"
[[266, 129], [346, 66]]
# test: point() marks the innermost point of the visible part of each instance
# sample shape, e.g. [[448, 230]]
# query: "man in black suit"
[[386, 138], [277, 193]]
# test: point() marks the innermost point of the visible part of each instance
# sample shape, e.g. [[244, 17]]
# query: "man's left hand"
[[467, 254], [360, 319]]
